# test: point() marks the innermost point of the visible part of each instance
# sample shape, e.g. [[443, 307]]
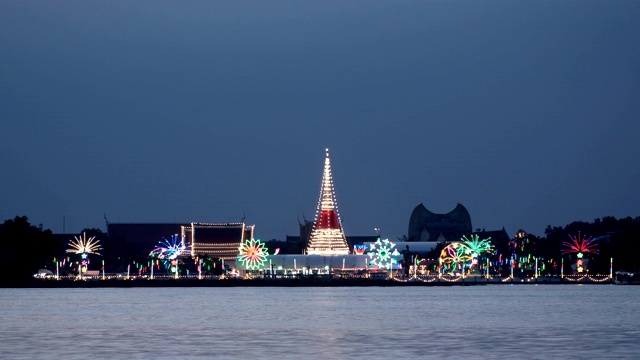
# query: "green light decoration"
[[253, 254], [383, 254], [475, 247], [456, 255]]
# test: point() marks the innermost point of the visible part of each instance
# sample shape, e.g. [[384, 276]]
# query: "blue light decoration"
[[168, 251], [359, 249], [383, 254]]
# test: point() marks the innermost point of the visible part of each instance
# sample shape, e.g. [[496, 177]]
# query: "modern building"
[[429, 227], [425, 225]]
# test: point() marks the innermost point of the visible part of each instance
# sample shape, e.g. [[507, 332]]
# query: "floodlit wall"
[[317, 261]]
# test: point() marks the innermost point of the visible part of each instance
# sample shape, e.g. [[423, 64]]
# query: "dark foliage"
[[25, 249], [618, 239]]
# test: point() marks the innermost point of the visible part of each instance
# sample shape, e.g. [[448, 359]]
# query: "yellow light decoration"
[[82, 245]]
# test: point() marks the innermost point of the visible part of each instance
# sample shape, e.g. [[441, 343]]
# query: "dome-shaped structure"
[[425, 225]]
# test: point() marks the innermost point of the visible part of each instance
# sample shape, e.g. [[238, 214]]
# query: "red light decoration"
[[580, 244]]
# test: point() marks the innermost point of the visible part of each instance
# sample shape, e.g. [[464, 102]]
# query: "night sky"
[[525, 112]]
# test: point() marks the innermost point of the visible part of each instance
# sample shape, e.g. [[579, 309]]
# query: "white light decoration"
[[383, 254], [83, 246], [327, 236]]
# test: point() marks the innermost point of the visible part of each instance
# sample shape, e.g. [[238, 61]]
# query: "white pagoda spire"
[[327, 236]]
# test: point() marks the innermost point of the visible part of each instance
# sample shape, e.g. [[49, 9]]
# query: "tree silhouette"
[[24, 249]]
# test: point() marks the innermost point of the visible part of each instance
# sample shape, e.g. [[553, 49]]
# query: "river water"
[[502, 321]]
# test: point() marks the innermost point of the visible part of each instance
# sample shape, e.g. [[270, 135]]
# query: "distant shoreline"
[[286, 282]]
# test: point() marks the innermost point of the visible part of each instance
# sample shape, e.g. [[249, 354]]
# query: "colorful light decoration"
[[169, 249], [520, 249], [383, 254], [416, 263], [454, 256], [359, 249], [457, 255], [253, 254], [611, 269], [474, 247], [580, 245], [486, 272], [84, 246]]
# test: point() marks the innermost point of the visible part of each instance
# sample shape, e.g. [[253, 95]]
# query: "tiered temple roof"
[[217, 240]]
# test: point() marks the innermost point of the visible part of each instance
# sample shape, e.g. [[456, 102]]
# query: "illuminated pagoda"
[[327, 236]]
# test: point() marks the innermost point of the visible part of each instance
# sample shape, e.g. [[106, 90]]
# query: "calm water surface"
[[505, 321]]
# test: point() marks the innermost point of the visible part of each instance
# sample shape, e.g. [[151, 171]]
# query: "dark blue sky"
[[525, 112]]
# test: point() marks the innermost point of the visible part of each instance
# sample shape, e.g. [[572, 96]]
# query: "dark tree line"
[[24, 249], [619, 239]]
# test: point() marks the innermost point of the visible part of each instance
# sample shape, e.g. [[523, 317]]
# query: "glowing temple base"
[[328, 252], [327, 242], [317, 261]]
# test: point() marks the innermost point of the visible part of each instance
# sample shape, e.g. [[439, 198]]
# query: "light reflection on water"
[[503, 321]]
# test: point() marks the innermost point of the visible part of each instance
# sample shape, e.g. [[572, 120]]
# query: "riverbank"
[[322, 281]]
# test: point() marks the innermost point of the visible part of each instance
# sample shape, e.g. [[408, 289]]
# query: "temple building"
[[221, 240], [327, 236], [145, 235], [216, 240], [301, 241]]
